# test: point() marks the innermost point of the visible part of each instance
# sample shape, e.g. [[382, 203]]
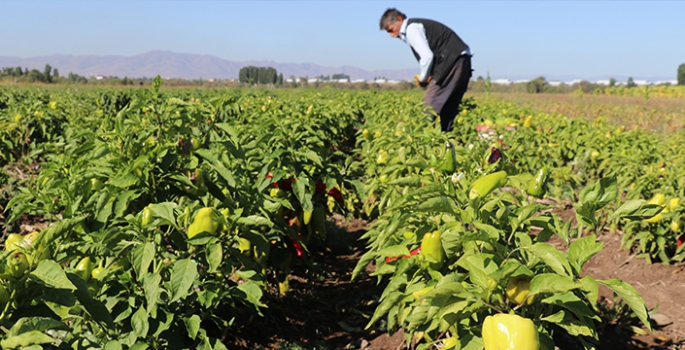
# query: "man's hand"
[[422, 84]]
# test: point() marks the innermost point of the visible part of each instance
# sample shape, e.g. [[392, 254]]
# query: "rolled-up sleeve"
[[416, 39]]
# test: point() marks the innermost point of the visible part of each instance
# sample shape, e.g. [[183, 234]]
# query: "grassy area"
[[658, 114]]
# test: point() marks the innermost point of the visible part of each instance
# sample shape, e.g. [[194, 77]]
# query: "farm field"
[[300, 219], [657, 114]]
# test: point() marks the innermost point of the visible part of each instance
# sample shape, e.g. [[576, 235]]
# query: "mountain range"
[[168, 64]]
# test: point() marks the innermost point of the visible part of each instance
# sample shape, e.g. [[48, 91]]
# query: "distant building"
[[642, 82], [501, 81], [603, 82], [666, 82], [555, 83]]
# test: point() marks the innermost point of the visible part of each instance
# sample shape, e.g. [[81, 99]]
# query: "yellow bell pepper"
[[509, 332], [518, 290]]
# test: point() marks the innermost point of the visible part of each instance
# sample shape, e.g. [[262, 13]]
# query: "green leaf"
[[217, 165], [411, 181], [25, 339], [214, 257], [165, 211], [304, 197], [441, 204], [60, 301], [384, 307], [311, 155], [572, 325], [255, 220], [636, 209], [152, 288], [113, 345], [480, 267], [142, 257], [399, 250], [156, 83], [555, 259], [253, 293], [552, 283], [50, 274], [40, 324], [124, 181], [367, 258], [573, 303], [183, 275], [591, 288], [123, 201], [609, 191], [139, 323], [582, 250], [631, 297], [95, 308], [192, 325]]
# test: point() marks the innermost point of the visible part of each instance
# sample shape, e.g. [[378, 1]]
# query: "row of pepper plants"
[[466, 221], [168, 212]]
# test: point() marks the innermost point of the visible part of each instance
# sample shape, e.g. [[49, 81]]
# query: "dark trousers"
[[446, 97]]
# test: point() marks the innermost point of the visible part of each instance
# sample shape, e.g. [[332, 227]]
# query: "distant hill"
[[169, 64]]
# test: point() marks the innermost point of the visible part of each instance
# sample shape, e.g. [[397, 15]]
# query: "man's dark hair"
[[390, 16]]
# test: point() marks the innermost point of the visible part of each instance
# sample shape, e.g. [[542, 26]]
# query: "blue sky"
[[640, 39]]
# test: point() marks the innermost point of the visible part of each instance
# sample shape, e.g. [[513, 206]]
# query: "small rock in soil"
[[661, 320]]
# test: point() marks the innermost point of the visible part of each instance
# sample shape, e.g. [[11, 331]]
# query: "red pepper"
[[320, 187], [393, 258], [495, 155], [681, 240], [335, 192], [285, 184], [299, 250]]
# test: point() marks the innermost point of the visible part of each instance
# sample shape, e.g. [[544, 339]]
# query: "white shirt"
[[415, 36]]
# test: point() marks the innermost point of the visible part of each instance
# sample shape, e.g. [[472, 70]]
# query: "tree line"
[[49, 75], [260, 75]]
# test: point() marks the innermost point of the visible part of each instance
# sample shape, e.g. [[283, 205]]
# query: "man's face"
[[394, 28]]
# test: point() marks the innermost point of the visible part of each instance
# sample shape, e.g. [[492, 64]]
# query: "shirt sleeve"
[[416, 39]]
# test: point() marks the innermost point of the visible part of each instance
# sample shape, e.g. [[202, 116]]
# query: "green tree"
[[681, 74], [612, 82], [55, 73], [536, 85], [630, 82], [258, 75], [47, 77]]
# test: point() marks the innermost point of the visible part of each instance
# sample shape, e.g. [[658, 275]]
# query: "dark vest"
[[445, 44]]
